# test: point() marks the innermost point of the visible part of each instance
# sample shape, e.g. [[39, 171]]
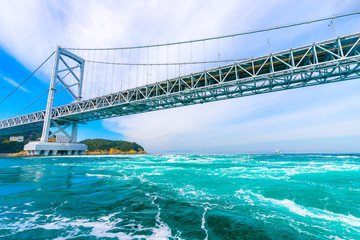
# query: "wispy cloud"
[[13, 83]]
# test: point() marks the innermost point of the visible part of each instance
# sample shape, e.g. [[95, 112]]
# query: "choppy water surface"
[[181, 197]]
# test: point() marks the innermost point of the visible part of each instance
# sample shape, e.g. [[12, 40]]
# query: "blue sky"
[[316, 119]]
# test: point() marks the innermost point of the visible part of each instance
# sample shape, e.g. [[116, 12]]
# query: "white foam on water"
[[153, 173], [100, 228], [107, 218], [98, 175], [96, 155], [346, 156], [29, 223], [300, 210], [172, 160], [203, 222], [15, 167], [301, 231], [336, 238], [174, 168], [277, 178], [280, 173], [190, 192], [162, 230], [29, 213], [243, 196], [29, 203], [64, 164], [50, 226], [142, 179], [238, 168], [177, 235], [113, 177]]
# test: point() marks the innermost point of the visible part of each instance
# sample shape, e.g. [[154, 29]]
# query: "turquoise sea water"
[[181, 197]]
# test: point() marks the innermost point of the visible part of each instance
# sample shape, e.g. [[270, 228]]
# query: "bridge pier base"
[[54, 149]]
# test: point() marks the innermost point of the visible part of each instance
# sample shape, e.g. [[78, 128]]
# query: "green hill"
[[106, 145]]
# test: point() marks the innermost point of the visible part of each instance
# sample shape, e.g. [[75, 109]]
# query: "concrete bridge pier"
[[54, 149]]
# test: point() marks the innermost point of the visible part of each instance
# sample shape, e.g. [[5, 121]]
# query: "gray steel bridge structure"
[[319, 63]]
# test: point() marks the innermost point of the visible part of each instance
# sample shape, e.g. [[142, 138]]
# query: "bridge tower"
[[73, 70]]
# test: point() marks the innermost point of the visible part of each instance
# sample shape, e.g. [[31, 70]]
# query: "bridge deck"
[[319, 63]]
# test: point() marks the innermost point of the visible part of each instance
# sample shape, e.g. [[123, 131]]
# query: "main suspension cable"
[[27, 78], [227, 36], [166, 64]]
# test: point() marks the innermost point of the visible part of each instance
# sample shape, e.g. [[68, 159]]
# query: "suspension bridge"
[[333, 60]]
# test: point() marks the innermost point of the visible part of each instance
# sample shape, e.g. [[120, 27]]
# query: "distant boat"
[[277, 151]]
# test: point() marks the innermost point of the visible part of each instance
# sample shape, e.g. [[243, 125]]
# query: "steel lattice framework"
[[319, 63]]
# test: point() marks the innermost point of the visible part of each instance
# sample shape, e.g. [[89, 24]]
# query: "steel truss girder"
[[319, 63]]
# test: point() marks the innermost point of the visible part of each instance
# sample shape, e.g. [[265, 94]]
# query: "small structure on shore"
[[16, 138]]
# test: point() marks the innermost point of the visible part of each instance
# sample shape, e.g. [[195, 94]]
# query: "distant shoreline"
[[12, 155]]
